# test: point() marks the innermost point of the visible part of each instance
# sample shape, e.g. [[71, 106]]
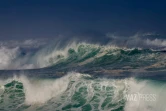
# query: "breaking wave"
[[79, 54], [77, 91], [124, 75]]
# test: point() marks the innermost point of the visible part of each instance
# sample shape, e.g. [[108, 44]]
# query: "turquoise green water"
[[77, 92], [82, 93], [91, 87]]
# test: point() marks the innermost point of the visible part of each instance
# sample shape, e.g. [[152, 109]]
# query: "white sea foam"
[[12, 56], [156, 42], [147, 96], [23, 58], [40, 91], [7, 56]]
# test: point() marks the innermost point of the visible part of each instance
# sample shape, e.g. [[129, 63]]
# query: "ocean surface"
[[82, 77]]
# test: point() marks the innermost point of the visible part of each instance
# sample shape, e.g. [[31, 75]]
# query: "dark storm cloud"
[[86, 19]]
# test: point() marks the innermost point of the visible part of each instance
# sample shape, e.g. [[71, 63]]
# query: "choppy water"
[[83, 77], [80, 92]]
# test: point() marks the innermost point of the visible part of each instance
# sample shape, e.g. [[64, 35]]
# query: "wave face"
[[79, 76], [83, 55], [77, 91], [144, 49], [100, 56]]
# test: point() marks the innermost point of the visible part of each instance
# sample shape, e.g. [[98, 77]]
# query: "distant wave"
[[119, 52], [79, 54]]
